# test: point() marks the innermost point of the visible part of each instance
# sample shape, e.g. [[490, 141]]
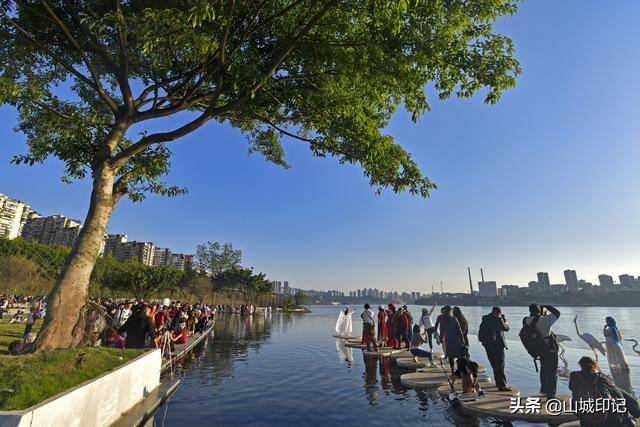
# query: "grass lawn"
[[30, 379], [12, 332]]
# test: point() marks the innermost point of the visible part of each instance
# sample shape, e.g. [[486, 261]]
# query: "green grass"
[[12, 332], [30, 379]]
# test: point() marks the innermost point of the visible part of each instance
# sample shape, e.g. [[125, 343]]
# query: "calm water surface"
[[287, 369]]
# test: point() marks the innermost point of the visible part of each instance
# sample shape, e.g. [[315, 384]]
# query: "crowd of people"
[[126, 323], [395, 328]]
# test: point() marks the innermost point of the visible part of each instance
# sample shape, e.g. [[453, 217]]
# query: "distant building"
[[605, 281], [181, 261], [161, 256], [110, 243], [627, 281], [512, 290], [51, 230], [13, 215], [141, 252], [571, 279], [276, 286], [543, 280], [488, 289], [583, 284]]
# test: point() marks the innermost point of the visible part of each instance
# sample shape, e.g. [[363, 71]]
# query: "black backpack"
[[485, 334], [532, 340]]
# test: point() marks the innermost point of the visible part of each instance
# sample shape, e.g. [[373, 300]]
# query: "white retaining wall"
[[97, 402]]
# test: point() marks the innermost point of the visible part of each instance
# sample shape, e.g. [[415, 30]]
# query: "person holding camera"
[[491, 335], [542, 317]]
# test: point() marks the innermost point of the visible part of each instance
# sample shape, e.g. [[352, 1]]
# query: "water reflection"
[[345, 354], [622, 378], [282, 370]]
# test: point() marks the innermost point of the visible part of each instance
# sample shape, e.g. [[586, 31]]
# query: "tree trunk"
[[67, 309]]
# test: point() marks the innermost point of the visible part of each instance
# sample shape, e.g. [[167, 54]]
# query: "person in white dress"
[[344, 325], [613, 342]]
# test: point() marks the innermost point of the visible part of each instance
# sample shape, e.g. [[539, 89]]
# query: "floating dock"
[[182, 349], [500, 406]]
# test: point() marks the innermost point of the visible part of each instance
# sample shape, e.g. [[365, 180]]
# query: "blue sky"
[[545, 180]]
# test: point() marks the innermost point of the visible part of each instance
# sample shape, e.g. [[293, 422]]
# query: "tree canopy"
[[86, 76], [215, 258]]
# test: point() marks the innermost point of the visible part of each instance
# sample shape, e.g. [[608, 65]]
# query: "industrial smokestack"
[[470, 282], [481, 274]]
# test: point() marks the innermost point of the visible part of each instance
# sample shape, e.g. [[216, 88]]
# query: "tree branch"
[[96, 78], [122, 73], [268, 122], [52, 55], [148, 140]]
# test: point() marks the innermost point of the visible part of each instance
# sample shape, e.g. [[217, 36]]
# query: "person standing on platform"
[[383, 335], [369, 328], [464, 324], [545, 316], [452, 338], [491, 335], [391, 326], [410, 318], [426, 325], [402, 326]]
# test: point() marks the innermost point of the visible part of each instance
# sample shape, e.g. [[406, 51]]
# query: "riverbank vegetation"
[[32, 268]]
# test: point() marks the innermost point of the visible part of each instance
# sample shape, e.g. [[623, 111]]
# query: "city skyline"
[[540, 182]]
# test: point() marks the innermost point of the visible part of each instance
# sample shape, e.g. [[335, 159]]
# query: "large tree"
[[215, 258], [88, 76]]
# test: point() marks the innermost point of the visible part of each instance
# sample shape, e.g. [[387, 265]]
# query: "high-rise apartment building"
[[141, 252], [51, 230], [162, 256], [181, 261], [627, 281], [543, 280], [605, 281], [571, 279], [13, 215], [110, 243]]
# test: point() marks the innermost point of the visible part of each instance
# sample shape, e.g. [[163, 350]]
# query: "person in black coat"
[[138, 326], [451, 336], [589, 382], [491, 335]]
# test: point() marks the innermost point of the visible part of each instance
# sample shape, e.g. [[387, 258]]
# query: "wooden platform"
[[488, 388], [499, 406], [401, 353], [423, 380], [410, 363], [182, 349], [380, 352], [355, 345], [348, 337]]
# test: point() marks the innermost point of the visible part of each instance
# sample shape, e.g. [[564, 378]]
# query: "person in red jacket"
[[391, 326], [383, 334], [402, 328]]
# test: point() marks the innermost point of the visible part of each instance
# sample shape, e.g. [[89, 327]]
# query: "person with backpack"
[[590, 384], [540, 342], [491, 336]]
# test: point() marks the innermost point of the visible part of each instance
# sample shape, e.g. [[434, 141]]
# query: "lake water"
[[287, 369]]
